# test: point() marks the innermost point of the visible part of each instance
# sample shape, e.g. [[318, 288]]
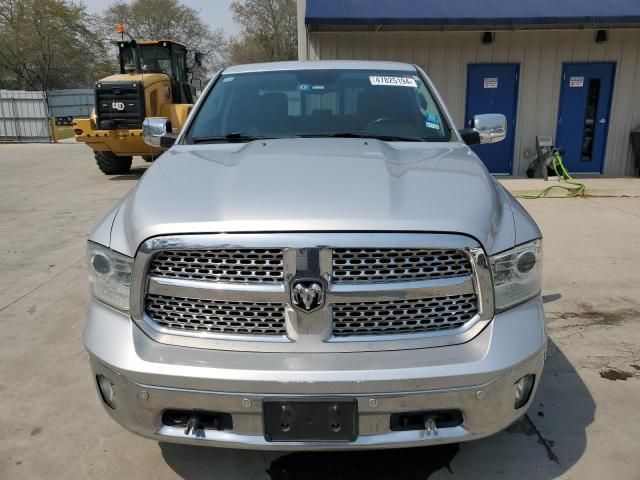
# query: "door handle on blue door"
[[602, 121]]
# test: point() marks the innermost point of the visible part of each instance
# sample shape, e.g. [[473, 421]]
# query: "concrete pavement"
[[583, 423]]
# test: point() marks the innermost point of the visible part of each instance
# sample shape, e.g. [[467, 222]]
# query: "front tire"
[[111, 164]]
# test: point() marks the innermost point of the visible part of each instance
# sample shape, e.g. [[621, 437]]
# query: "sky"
[[215, 12]]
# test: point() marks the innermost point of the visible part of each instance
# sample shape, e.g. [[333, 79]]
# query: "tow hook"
[[193, 425], [430, 426]]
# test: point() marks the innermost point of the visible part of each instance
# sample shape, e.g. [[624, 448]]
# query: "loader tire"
[[111, 164], [151, 158]]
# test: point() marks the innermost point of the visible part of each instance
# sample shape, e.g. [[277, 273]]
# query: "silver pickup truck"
[[319, 261]]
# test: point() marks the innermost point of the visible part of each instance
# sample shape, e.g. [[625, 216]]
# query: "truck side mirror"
[[492, 127], [197, 58], [157, 132], [487, 128]]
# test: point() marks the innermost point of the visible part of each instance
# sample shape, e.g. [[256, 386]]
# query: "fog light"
[[106, 391], [524, 387]]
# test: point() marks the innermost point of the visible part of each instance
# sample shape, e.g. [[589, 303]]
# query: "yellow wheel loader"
[[153, 82]]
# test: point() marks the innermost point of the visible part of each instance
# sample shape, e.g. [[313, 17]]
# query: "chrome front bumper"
[[476, 378]]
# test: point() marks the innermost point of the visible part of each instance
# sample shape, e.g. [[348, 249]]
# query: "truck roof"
[[320, 65], [150, 42]]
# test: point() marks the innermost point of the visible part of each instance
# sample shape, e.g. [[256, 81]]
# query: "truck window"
[[310, 103]]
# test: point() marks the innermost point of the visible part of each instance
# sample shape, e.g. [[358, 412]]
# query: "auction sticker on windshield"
[[393, 81]]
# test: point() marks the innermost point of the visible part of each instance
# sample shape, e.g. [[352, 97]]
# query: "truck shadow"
[[543, 444], [134, 174]]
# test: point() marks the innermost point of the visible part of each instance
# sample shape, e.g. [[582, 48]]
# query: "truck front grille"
[[403, 316], [255, 265], [241, 291], [238, 318], [364, 265]]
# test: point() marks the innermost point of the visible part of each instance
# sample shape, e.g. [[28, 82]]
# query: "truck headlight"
[[517, 274], [110, 276]]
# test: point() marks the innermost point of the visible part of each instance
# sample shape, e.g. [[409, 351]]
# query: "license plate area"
[[310, 420]]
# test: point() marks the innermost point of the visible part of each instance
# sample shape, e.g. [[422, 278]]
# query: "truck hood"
[[316, 185]]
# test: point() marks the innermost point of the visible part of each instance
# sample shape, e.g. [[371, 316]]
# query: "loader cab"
[[162, 56]]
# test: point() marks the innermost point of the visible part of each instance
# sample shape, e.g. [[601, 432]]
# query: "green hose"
[[577, 190]]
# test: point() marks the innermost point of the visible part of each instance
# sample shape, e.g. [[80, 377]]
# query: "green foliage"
[[51, 44], [47, 44], [269, 31]]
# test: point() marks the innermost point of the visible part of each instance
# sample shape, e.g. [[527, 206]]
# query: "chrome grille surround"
[[260, 265], [310, 255], [364, 265], [239, 318], [404, 316]]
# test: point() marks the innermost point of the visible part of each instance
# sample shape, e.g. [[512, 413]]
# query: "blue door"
[[493, 88], [583, 119]]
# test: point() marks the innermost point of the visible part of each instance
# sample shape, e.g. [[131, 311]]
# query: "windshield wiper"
[[229, 137], [245, 137], [386, 138]]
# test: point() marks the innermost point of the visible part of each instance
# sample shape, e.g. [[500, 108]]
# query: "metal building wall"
[[445, 56], [23, 116], [76, 102]]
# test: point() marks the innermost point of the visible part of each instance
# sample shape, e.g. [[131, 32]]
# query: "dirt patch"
[[615, 374], [591, 317]]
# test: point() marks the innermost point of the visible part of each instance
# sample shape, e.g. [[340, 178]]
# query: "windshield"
[[392, 105], [153, 59]]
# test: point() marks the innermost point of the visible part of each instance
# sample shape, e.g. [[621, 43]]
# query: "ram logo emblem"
[[307, 296]]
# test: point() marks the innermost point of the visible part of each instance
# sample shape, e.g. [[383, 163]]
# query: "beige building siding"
[[445, 56]]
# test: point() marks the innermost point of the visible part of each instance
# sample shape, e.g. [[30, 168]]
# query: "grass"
[[64, 131]]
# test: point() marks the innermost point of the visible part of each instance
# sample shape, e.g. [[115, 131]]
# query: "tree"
[[170, 19], [269, 31], [47, 44]]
